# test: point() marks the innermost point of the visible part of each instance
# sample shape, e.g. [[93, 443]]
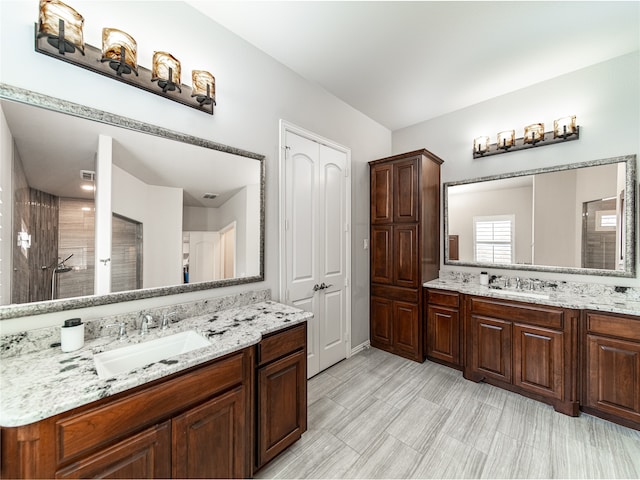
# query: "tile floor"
[[377, 415]]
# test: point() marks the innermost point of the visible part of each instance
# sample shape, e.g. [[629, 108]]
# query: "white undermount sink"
[[541, 296], [124, 359]]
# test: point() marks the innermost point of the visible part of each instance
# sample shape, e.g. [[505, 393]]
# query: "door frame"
[[285, 127]]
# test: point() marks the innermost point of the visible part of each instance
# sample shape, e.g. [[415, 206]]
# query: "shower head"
[[62, 268]]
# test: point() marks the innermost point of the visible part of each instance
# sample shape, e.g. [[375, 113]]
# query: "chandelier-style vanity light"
[[59, 35], [564, 130]]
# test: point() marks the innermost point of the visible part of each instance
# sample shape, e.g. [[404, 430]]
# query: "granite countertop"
[[576, 299], [38, 385]]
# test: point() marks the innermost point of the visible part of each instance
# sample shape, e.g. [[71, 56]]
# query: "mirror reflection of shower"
[[61, 267]]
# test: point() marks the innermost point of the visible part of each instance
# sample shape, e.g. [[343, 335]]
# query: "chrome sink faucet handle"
[[165, 320], [122, 329], [518, 283], [147, 319]]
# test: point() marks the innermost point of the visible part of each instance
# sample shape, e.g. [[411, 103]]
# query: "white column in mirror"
[[104, 160], [6, 211]]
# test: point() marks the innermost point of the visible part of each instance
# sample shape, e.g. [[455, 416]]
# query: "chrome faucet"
[[122, 329], [518, 283], [144, 324]]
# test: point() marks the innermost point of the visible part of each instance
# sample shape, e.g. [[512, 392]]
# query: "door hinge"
[[346, 282], [346, 227], [286, 151], [346, 172], [286, 224]]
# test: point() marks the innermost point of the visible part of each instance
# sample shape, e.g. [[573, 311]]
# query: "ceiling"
[[55, 147], [401, 63]]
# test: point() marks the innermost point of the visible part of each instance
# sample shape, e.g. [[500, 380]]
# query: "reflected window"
[[493, 239]]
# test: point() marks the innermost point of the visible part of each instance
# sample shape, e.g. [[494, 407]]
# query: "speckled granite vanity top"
[[579, 296], [41, 384]]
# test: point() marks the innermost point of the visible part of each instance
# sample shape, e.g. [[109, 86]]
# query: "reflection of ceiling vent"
[[210, 196], [87, 175]]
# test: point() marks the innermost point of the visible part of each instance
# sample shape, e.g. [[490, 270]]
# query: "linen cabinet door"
[[145, 455], [406, 337], [382, 254], [381, 194], [381, 321], [209, 441], [406, 262], [443, 334], [406, 199], [613, 377], [538, 363], [491, 348]]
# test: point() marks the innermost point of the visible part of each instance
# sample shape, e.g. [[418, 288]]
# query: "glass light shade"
[[200, 79], [506, 139], [565, 126], [162, 62], [51, 12], [481, 144], [534, 133], [113, 41]]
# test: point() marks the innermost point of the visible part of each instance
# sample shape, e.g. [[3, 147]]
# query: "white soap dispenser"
[[72, 335]]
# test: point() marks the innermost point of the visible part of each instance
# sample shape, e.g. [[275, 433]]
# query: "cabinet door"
[[613, 377], [406, 337], [381, 194], [145, 455], [381, 319], [209, 440], [282, 405], [406, 271], [405, 191], [538, 364], [443, 334], [382, 254], [491, 349]]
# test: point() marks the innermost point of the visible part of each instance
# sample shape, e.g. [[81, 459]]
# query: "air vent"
[[210, 196], [87, 175]]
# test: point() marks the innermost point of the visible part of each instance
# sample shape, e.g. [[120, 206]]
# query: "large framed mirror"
[[106, 209], [577, 218]]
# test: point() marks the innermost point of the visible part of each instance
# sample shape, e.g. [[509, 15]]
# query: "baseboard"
[[361, 347]]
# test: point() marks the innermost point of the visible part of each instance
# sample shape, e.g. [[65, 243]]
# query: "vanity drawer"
[[518, 312], [443, 297], [626, 327], [98, 427], [281, 343]]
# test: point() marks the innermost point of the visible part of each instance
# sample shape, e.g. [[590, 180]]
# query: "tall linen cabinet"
[[405, 248]]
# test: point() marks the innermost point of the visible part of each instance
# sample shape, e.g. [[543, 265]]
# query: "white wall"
[[507, 201], [159, 210], [253, 93], [604, 97]]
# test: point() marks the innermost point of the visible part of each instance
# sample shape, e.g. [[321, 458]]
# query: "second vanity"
[[223, 410], [573, 350]]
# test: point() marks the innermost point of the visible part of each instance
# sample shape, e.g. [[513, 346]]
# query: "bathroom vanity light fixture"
[[59, 35], [62, 26], [204, 87], [120, 50], [564, 130]]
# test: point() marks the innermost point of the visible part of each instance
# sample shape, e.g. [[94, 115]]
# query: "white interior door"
[[204, 256], [316, 232]]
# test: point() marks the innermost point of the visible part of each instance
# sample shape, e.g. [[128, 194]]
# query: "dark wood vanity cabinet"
[[444, 329], [195, 424], [523, 347], [405, 218], [281, 391], [611, 367]]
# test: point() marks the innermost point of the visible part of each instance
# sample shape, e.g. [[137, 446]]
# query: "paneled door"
[[316, 240]]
